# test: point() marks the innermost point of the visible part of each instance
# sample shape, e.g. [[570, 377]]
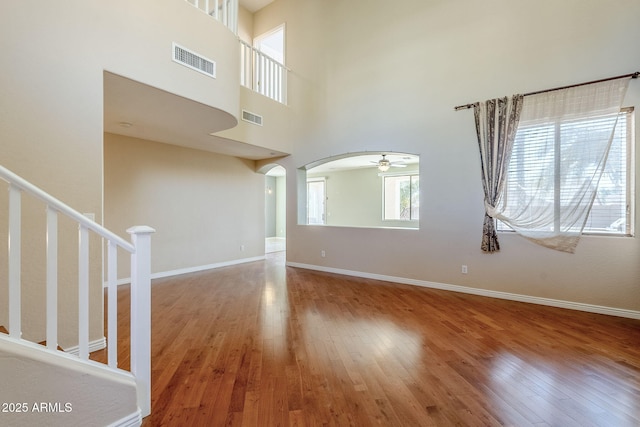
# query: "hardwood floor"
[[262, 344]]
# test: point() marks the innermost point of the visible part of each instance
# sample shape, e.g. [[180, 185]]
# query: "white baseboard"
[[611, 311], [95, 345], [132, 420], [195, 269]]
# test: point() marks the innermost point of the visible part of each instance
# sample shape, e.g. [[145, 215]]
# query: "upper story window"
[[272, 43], [262, 65]]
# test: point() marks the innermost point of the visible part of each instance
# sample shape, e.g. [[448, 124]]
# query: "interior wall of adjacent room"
[[270, 206], [355, 197], [206, 208], [281, 206]]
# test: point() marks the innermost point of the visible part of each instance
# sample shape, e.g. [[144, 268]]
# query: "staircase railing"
[[139, 248], [225, 11], [262, 73]]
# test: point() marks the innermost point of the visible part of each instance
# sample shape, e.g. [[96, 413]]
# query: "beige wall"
[[276, 129], [50, 131], [245, 25], [51, 116], [364, 76], [204, 206], [390, 76]]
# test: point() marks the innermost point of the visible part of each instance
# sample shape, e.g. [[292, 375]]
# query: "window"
[[272, 43], [316, 196], [401, 197], [262, 66], [549, 147]]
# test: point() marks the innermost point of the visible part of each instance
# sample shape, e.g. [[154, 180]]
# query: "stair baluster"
[[139, 248]]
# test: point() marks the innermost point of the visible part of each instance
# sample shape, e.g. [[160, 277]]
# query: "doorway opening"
[[275, 202]]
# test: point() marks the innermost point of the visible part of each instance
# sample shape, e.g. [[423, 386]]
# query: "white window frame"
[[257, 41], [384, 176], [323, 180], [629, 114]]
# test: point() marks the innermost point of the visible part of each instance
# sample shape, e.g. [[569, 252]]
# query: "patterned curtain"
[[496, 125]]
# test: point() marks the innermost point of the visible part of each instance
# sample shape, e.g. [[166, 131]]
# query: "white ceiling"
[[141, 111], [254, 5]]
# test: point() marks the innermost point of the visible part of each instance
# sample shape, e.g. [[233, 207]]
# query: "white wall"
[[391, 75], [245, 25]]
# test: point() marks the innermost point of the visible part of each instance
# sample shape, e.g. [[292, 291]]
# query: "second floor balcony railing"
[[262, 73], [225, 11], [258, 71]]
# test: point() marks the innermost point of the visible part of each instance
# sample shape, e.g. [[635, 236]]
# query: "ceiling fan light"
[[384, 165]]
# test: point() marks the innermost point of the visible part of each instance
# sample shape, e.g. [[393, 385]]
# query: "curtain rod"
[[632, 75]]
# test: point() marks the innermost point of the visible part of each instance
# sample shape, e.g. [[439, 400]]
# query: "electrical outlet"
[[464, 270], [323, 254], [241, 248]]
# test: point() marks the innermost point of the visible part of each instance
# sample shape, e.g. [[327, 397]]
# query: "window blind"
[[552, 162]]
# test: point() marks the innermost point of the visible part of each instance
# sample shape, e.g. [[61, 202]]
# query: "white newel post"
[[141, 314]]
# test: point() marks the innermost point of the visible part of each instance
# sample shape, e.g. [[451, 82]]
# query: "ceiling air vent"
[[251, 118], [194, 61]]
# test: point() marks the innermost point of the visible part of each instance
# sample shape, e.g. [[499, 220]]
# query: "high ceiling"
[[254, 5], [140, 111]]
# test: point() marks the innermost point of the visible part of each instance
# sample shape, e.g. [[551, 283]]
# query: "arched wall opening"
[[378, 189]]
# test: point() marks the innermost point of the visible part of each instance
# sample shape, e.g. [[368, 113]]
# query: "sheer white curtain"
[[557, 159]]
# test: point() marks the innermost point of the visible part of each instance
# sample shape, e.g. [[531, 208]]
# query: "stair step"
[[39, 375]]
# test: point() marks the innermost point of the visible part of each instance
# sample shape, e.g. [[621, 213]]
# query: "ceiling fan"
[[384, 164]]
